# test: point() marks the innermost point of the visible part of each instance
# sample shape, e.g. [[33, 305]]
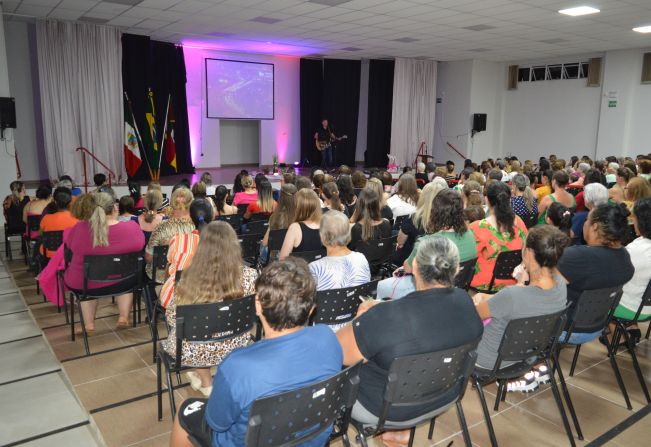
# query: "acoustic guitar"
[[323, 145]]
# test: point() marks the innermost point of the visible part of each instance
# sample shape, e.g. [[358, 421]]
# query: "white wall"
[[486, 94], [240, 140], [281, 135]]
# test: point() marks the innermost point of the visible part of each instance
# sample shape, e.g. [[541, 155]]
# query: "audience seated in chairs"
[[367, 221], [403, 202], [546, 293], [501, 231], [281, 218], [179, 222], [183, 246], [289, 356], [37, 206], [210, 278], [150, 218], [603, 262], [61, 219], [126, 209], [13, 207], [248, 195], [264, 204], [560, 181], [221, 207], [341, 267], [199, 191], [446, 220], [347, 193], [103, 234], [594, 194], [436, 316], [303, 233]]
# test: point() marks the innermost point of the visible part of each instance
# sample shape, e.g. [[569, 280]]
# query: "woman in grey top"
[[546, 293]]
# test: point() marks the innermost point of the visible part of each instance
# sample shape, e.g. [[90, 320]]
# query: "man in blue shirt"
[[291, 356]]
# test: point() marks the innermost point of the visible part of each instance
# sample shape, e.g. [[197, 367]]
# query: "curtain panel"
[[414, 107], [380, 102], [81, 96], [311, 93]]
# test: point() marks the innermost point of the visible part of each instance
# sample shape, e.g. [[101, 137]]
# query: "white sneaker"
[[206, 390], [195, 380]]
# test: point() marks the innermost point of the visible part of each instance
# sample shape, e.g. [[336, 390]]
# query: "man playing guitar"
[[323, 140]]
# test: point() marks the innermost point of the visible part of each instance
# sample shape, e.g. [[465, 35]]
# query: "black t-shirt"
[[380, 231], [589, 268], [421, 322], [422, 176], [324, 134], [310, 239], [412, 232], [386, 213]]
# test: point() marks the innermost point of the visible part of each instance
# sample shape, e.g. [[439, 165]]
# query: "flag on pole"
[[132, 160], [149, 138], [170, 144]]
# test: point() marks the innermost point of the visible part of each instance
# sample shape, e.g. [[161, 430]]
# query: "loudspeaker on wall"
[[7, 113], [478, 122]]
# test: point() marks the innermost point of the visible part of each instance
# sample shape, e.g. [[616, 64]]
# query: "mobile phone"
[[363, 298]]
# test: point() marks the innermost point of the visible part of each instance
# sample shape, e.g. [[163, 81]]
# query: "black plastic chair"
[[250, 243], [309, 256], [258, 216], [378, 253], [530, 220], [257, 227], [465, 274], [591, 313], [505, 263], [241, 208], [10, 232], [50, 241], [339, 306], [29, 244], [274, 244], [422, 379], [152, 300], [124, 268], [234, 220], [397, 224], [212, 322], [526, 341]]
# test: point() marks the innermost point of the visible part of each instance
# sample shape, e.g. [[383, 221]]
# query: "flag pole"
[[135, 127], [162, 144]]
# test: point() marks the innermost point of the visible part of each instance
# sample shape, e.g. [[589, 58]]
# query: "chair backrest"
[[417, 380], [646, 301], [310, 256], [52, 240], [338, 306], [593, 309], [505, 263], [276, 238], [250, 243], [530, 338], [241, 208], [465, 274], [34, 223], [234, 220], [258, 216], [378, 251], [257, 226], [177, 276], [113, 268], [213, 322], [159, 261], [297, 416]]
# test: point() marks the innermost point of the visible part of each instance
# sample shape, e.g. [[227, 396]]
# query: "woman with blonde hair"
[[210, 278], [249, 195], [265, 203], [102, 234], [206, 179], [636, 189], [471, 193], [303, 234], [150, 217]]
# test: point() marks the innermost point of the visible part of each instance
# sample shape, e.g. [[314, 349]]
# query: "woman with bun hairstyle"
[[501, 231], [559, 216]]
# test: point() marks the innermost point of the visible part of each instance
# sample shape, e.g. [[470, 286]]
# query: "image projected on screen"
[[239, 90]]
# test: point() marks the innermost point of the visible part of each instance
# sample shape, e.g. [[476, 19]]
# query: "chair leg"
[[464, 425], [487, 416], [170, 391], [561, 408], [568, 400], [412, 433], [159, 388], [83, 328], [153, 323], [636, 365], [618, 375], [574, 359], [500, 389], [648, 331], [72, 317], [430, 433]]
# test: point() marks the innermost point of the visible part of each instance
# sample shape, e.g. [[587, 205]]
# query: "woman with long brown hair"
[[210, 278], [303, 234], [331, 200], [367, 220], [403, 202], [282, 217]]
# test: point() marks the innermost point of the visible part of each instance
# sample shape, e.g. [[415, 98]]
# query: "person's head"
[[516, 166], [83, 207], [366, 212], [473, 213], [420, 167], [447, 212], [498, 195], [440, 171], [318, 180], [265, 196], [436, 263], [308, 206], [583, 168], [200, 212], [324, 123], [546, 177], [624, 175], [181, 200], [17, 191], [153, 201], [606, 225], [206, 178], [543, 247], [212, 277], [595, 194], [359, 179], [331, 194], [65, 181], [408, 189], [43, 192], [449, 166], [387, 179], [559, 216], [289, 177], [637, 188], [134, 190], [560, 180], [465, 174], [430, 167], [221, 192], [344, 170], [593, 176], [376, 185], [62, 198], [285, 294], [423, 216], [286, 209], [645, 167], [471, 193], [302, 182], [99, 179], [630, 164], [334, 229], [346, 190], [247, 182], [501, 164], [612, 168], [495, 174], [520, 184], [104, 208], [642, 217], [126, 205], [199, 190]]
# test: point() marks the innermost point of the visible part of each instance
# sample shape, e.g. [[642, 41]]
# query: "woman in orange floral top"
[[501, 231]]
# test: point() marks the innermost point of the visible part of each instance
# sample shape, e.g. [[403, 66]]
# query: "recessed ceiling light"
[[643, 29], [579, 11]]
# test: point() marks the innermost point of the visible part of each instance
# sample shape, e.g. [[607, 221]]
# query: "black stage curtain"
[[160, 66], [311, 91], [380, 102], [341, 104]]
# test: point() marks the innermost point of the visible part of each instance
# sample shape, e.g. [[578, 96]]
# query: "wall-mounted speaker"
[[478, 122], [7, 113]]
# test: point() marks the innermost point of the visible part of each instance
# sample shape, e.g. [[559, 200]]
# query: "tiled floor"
[[125, 373]]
